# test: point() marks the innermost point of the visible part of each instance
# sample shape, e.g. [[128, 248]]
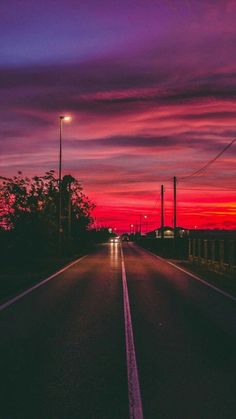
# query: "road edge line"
[[198, 278], [38, 285], [135, 401]]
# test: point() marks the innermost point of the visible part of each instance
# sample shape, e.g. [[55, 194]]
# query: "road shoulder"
[[223, 281]]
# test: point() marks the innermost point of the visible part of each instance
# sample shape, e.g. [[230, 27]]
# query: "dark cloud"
[[224, 115], [51, 88], [185, 140]]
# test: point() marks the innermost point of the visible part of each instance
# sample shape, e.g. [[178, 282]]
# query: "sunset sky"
[[151, 87]]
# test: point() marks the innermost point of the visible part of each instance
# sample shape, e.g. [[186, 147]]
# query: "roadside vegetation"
[[29, 227]]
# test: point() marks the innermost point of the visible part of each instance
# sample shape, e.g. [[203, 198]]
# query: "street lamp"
[[61, 119], [145, 217], [140, 223]]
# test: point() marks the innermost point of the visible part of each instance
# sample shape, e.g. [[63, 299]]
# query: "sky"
[[151, 88]]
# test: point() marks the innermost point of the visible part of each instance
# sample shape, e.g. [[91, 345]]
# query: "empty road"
[[119, 334]]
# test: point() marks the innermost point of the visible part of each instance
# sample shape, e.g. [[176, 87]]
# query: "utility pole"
[[162, 211], [175, 207], [69, 212]]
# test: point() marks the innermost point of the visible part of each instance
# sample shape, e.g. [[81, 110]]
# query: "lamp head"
[[65, 118]]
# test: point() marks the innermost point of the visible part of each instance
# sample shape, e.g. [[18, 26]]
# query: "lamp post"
[[131, 228], [61, 119], [140, 223], [145, 216]]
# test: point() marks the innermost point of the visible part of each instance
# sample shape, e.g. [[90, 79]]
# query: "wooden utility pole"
[[175, 206], [162, 211]]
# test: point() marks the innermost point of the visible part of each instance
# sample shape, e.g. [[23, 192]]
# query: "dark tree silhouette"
[[29, 211]]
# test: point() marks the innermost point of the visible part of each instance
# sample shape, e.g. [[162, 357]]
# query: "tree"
[[77, 208], [29, 210]]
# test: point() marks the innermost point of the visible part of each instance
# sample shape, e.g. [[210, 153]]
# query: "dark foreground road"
[[63, 346]]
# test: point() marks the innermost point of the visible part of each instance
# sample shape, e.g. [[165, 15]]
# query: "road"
[[70, 350]]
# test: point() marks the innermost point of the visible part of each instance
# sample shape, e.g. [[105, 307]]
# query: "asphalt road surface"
[[119, 334]]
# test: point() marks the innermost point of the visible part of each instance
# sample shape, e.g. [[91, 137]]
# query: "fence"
[[169, 248], [216, 253]]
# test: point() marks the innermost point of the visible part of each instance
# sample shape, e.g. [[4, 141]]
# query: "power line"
[[203, 168], [200, 171], [155, 206], [206, 189]]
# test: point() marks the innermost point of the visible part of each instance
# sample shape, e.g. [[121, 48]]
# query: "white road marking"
[[29, 290], [198, 278], [135, 401]]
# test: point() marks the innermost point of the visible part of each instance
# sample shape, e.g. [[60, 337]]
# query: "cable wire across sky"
[[209, 163], [198, 172]]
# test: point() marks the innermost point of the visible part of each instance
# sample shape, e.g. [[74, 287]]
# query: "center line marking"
[[135, 401]]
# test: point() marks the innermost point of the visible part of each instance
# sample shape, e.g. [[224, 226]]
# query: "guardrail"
[[216, 253]]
